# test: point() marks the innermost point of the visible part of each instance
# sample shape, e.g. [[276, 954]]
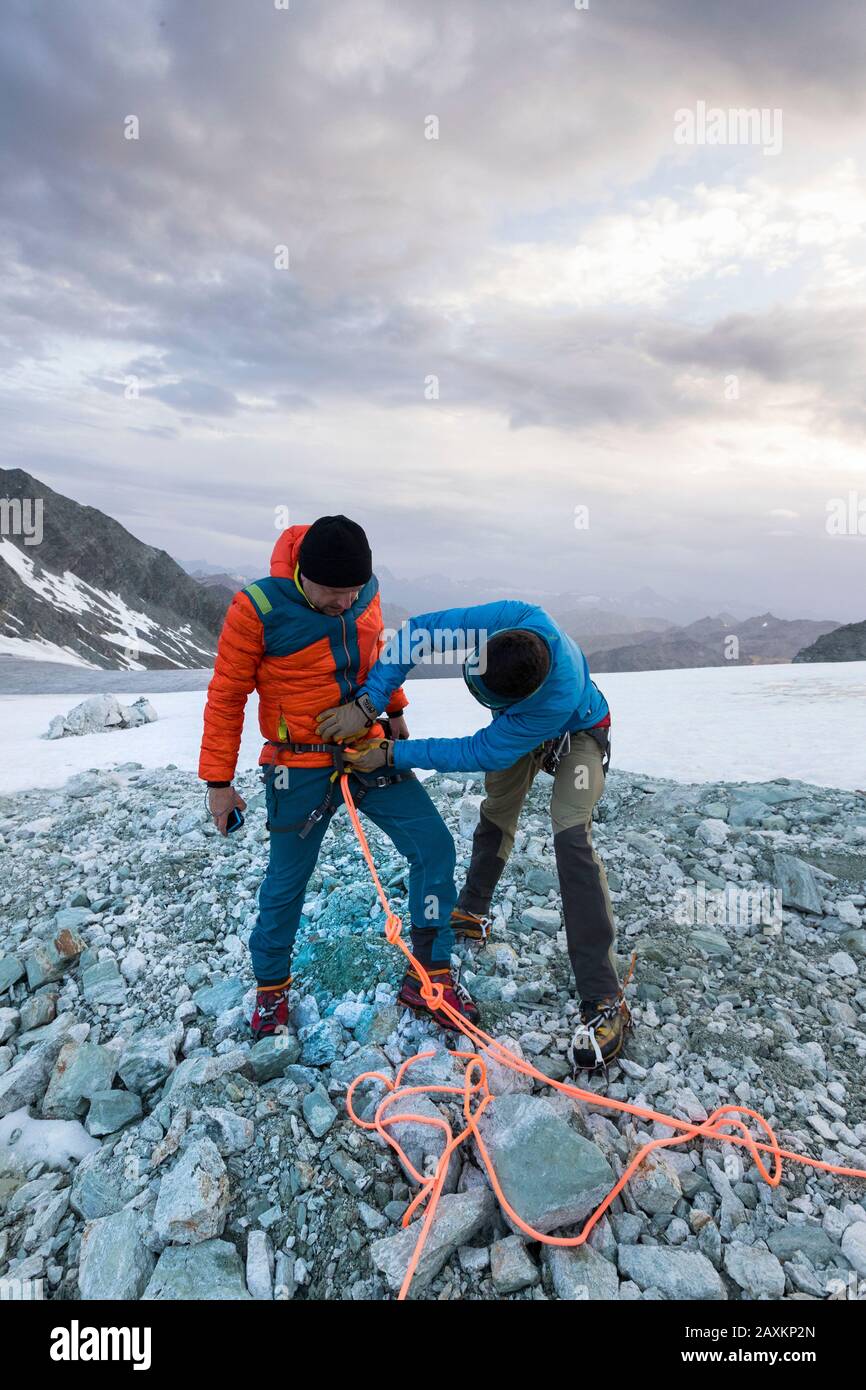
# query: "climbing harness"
[[601, 735], [330, 802], [555, 750], [396, 1108]]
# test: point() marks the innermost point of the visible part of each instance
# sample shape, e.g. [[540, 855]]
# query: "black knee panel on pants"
[[589, 927]]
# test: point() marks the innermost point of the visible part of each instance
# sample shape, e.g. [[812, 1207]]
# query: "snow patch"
[[25, 1141]]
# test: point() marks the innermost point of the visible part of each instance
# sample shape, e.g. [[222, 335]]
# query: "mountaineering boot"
[[271, 1014], [600, 1035], [455, 994], [470, 926]]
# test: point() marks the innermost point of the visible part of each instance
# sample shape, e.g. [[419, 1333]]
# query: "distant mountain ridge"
[[761, 640], [91, 593]]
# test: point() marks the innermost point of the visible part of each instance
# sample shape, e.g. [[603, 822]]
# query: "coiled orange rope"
[[475, 1086]]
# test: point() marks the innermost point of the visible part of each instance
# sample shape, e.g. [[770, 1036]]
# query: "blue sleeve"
[[497, 746], [419, 636]]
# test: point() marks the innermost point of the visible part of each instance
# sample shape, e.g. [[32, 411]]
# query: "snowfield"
[[749, 723]]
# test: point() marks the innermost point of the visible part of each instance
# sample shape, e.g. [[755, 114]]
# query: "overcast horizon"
[[466, 274]]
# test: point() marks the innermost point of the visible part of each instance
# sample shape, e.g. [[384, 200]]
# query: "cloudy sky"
[[456, 269]]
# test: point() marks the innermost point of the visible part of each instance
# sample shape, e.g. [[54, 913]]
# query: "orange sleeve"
[[239, 654], [397, 701]]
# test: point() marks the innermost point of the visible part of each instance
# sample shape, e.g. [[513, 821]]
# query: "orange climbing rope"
[[475, 1086]]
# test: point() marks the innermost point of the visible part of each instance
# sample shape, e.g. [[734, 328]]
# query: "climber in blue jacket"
[[547, 714]]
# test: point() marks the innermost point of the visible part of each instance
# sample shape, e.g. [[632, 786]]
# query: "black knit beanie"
[[335, 553]]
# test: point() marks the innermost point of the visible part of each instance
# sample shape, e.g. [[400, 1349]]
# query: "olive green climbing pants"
[[586, 906]]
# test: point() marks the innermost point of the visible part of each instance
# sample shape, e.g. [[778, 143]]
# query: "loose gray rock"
[[198, 1071], [26, 1080], [756, 1271], [102, 1183], [193, 1197], [114, 1262], [798, 884], [655, 1187], [319, 1113], [11, 971], [211, 1271], [854, 1246], [550, 1175], [271, 1057], [459, 1217], [232, 1133], [544, 919], [511, 1266], [799, 1238], [104, 984], [260, 1265], [146, 1061], [81, 1070], [682, 1274], [50, 959], [215, 999], [112, 1110], [580, 1273], [10, 1020]]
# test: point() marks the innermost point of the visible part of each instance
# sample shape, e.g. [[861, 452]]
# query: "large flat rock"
[[550, 1175]]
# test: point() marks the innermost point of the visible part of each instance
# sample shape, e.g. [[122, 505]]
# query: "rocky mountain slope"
[[148, 1151], [846, 643], [90, 592]]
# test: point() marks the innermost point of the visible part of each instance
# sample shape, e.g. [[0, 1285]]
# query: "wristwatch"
[[367, 708]]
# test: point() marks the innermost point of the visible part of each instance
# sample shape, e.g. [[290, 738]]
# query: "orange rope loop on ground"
[[475, 1086]]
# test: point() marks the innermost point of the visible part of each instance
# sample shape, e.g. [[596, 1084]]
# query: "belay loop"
[[389, 1111]]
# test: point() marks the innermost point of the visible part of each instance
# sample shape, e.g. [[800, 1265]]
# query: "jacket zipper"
[[346, 650]]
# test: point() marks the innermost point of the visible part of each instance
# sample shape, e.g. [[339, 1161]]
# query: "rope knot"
[[393, 928], [433, 994]]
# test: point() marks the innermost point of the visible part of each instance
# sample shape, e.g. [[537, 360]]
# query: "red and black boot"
[[271, 1014], [469, 926], [454, 994]]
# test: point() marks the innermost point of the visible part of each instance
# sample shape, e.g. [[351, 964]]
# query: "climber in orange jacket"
[[305, 638]]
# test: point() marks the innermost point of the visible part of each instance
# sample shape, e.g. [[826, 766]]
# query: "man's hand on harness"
[[221, 802], [399, 727], [344, 722], [368, 757]]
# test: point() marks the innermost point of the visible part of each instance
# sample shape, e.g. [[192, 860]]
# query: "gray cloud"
[[154, 258]]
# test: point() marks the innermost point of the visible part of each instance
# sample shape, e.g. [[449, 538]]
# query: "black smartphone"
[[235, 820]]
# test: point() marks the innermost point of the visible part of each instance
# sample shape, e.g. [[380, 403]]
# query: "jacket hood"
[[285, 553]]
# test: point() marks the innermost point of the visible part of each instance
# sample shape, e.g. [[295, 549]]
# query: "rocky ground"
[[147, 1150]]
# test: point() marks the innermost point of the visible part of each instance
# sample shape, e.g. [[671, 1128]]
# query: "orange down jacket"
[[299, 660]]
